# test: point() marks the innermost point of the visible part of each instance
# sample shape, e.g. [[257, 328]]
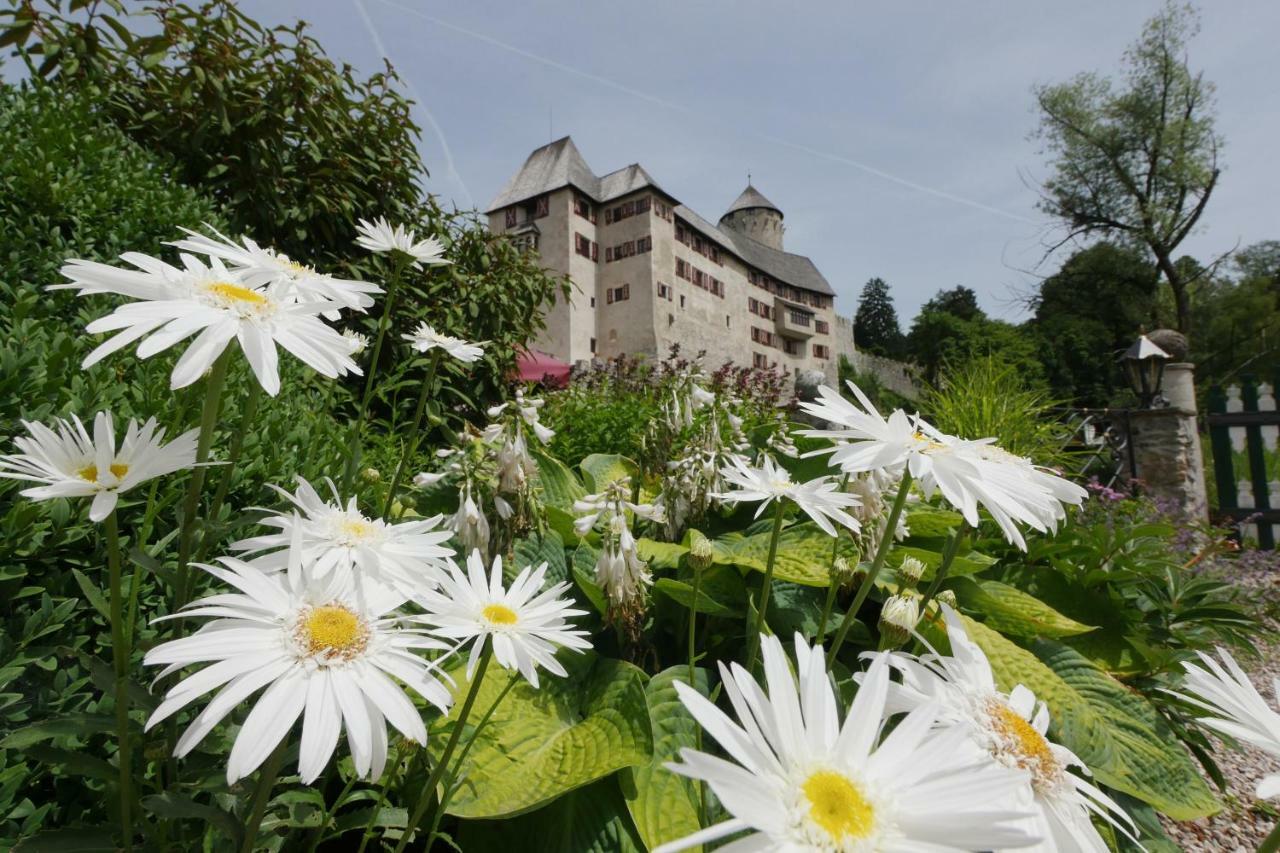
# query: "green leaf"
[[171, 805], [661, 555], [963, 564], [69, 841], [804, 553], [584, 575], [559, 487], [91, 592], [721, 591], [536, 550], [932, 523], [593, 819], [74, 725], [601, 469], [664, 805], [1115, 732], [543, 742], [1011, 611]]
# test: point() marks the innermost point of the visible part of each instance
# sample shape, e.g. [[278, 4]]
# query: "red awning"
[[535, 366]]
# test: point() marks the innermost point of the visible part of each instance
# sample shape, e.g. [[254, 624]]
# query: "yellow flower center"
[[90, 472], [838, 806], [333, 630], [499, 614], [355, 529], [1030, 750], [234, 293]]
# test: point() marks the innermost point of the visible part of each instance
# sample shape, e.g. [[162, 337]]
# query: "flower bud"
[[371, 475], [947, 597], [701, 553], [898, 619], [910, 571], [846, 576]]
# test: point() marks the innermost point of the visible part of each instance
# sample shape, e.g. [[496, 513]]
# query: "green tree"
[[1237, 318], [1086, 314], [1135, 160], [875, 325], [951, 330], [959, 301]]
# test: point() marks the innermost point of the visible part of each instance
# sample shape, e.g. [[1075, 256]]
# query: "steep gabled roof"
[[795, 270], [751, 198]]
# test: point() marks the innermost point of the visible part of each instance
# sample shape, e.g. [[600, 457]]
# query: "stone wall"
[[896, 376]]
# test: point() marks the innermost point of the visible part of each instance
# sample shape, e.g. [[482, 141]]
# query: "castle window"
[[726, 321], [821, 326], [512, 215], [760, 360], [682, 300], [791, 347], [664, 291], [821, 351], [582, 245], [593, 346], [541, 206], [671, 320], [582, 207]]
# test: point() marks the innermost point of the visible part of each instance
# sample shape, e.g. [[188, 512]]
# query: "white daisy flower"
[[1010, 729], [379, 236], [820, 498], [967, 473], [525, 623], [333, 537], [1237, 708], [800, 779], [323, 652], [356, 341], [173, 304], [425, 339], [71, 464], [260, 265]]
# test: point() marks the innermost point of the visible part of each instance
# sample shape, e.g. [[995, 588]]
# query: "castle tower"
[[754, 216]]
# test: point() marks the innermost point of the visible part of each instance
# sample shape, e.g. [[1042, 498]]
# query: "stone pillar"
[[1166, 446]]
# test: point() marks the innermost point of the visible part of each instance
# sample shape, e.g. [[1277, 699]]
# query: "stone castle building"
[[648, 272]]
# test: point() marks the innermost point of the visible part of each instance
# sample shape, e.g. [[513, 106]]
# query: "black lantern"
[[1144, 364]]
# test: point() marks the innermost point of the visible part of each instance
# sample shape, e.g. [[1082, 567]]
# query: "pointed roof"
[[751, 198], [559, 164]]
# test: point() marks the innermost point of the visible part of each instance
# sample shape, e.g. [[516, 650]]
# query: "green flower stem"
[[411, 445], [329, 810], [120, 658], [233, 454], [949, 554], [832, 586], [353, 445], [693, 623], [1271, 843], [429, 790], [462, 756], [267, 776], [882, 552], [387, 782], [753, 636], [191, 504]]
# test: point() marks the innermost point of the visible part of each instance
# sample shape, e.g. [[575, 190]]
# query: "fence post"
[[1257, 462], [1224, 473], [1166, 446]]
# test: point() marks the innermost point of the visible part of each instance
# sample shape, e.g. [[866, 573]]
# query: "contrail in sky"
[[662, 102]]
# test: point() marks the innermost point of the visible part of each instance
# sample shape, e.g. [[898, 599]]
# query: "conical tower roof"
[[751, 198]]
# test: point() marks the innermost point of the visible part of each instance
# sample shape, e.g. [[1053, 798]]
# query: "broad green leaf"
[[543, 742], [661, 555], [534, 551], [601, 469], [664, 805], [932, 523], [172, 805], [1011, 611], [584, 575], [964, 564], [804, 553], [69, 841], [793, 608], [560, 488], [593, 819], [1116, 732], [720, 592], [1149, 762], [92, 593]]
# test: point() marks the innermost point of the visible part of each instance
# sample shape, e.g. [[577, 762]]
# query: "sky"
[[894, 137]]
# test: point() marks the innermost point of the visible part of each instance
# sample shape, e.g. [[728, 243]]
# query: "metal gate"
[[1243, 427]]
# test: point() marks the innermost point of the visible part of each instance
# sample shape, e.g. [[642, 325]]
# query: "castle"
[[648, 272]]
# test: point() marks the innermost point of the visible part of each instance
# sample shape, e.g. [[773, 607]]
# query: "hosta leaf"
[[932, 523], [804, 553], [720, 592], [601, 469], [964, 564], [795, 608], [593, 819], [534, 551], [1011, 611], [560, 488], [1116, 732], [661, 555], [1148, 761], [543, 742], [664, 805]]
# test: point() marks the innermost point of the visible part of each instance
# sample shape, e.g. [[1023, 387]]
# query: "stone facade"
[[648, 272], [1166, 446]]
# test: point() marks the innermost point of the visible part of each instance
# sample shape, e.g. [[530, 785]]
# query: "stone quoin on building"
[[648, 272]]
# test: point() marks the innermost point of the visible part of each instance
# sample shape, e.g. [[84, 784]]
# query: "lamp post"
[[1144, 363]]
